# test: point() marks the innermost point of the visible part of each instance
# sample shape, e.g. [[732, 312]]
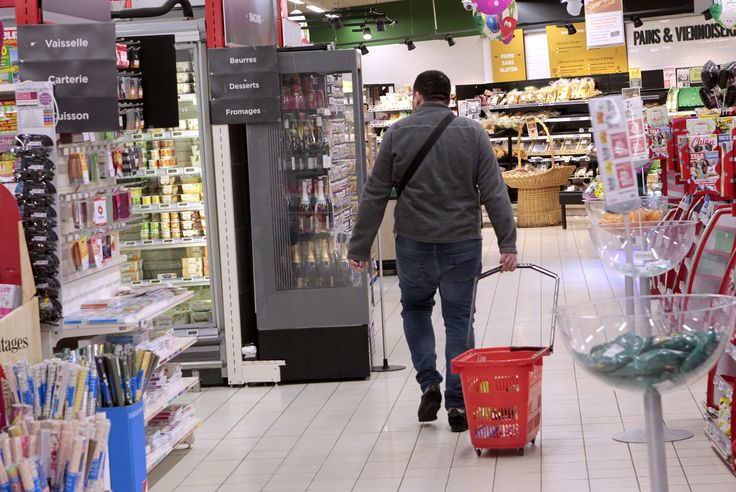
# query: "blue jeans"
[[423, 268]]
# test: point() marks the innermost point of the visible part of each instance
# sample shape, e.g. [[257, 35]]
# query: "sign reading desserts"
[[508, 60], [569, 55]]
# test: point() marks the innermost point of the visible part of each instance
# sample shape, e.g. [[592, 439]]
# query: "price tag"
[[190, 170], [164, 205], [167, 241], [138, 136], [176, 134], [158, 135], [131, 243], [147, 242], [172, 171]]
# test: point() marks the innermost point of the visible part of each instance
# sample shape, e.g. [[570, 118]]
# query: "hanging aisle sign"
[[509, 60], [80, 60], [604, 23], [244, 85], [569, 55]]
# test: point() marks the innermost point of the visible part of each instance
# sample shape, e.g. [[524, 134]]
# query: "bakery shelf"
[[158, 405], [167, 207], [149, 244], [158, 455]]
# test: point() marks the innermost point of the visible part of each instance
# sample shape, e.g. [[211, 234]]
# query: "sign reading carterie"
[[80, 60], [244, 85]]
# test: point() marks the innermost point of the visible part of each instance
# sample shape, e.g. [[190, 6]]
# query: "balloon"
[[508, 25], [731, 97], [710, 97], [498, 26], [492, 6], [724, 12], [574, 6], [728, 76], [710, 74], [493, 22]]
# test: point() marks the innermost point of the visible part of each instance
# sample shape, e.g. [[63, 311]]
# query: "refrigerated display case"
[[305, 174], [173, 194]]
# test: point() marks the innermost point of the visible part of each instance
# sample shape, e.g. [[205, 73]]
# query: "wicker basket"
[[539, 193]]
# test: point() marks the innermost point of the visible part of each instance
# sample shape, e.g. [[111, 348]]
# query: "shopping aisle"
[[363, 436]]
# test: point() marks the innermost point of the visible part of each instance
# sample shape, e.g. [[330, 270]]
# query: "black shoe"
[[458, 420], [430, 404]]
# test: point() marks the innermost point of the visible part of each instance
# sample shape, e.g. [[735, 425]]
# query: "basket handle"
[[518, 147], [555, 297], [550, 141]]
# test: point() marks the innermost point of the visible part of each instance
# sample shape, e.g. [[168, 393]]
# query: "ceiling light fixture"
[[450, 41], [571, 28], [637, 21], [297, 2], [315, 8], [410, 45], [367, 34], [380, 26], [295, 12], [363, 49], [336, 22]]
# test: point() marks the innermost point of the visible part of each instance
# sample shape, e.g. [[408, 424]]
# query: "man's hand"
[[359, 266], [508, 262]]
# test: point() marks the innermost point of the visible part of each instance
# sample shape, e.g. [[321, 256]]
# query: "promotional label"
[[604, 23], [244, 85], [52, 42], [73, 78], [610, 130], [569, 55], [509, 60], [634, 107], [235, 111], [244, 59]]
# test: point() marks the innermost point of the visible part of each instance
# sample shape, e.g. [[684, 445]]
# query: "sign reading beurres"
[[80, 60], [244, 85]]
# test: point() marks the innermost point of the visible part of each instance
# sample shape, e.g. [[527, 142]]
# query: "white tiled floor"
[[363, 436]]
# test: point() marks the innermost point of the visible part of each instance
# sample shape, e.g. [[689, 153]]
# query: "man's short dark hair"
[[433, 85]]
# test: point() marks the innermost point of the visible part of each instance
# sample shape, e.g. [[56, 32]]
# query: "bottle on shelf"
[[306, 210], [296, 90], [311, 273], [309, 143], [297, 267], [344, 272], [325, 266], [321, 209]]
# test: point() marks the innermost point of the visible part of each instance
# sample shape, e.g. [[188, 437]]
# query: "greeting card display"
[[708, 159]]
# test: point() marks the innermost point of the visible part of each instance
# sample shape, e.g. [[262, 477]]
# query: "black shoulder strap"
[[419, 158]]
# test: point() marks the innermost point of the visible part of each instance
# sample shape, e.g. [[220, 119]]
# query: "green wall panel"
[[415, 20]]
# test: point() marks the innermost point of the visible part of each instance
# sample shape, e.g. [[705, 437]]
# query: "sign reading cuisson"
[[80, 60]]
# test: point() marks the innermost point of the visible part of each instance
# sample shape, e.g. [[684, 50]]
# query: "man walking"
[[443, 168]]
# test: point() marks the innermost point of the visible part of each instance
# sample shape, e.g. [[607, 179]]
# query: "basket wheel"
[[521, 451], [478, 451]]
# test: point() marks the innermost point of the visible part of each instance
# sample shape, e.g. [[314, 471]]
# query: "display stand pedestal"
[[655, 440], [386, 367]]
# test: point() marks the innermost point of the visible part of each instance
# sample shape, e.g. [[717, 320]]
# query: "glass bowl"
[[651, 209], [643, 249], [651, 341]]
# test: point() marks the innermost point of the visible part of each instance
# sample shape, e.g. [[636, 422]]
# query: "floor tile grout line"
[[264, 433], [221, 439]]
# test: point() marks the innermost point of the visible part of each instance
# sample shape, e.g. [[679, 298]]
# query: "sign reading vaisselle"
[[244, 85], [80, 60]]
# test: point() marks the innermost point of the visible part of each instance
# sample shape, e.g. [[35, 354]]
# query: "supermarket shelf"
[[141, 320], [178, 282], [159, 405], [724, 387], [91, 231], [390, 109], [167, 207], [182, 343], [187, 326], [150, 244], [545, 137], [719, 440], [166, 135], [168, 171], [113, 264], [570, 119], [558, 104], [383, 124], [156, 457]]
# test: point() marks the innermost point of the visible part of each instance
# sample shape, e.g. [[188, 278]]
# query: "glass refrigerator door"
[[320, 173], [170, 243]]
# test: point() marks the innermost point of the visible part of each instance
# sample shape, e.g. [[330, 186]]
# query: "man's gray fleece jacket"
[[441, 203]]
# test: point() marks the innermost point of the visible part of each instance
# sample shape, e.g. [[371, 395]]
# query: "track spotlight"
[[363, 49], [571, 28], [450, 41], [367, 34], [637, 21], [410, 45], [336, 22], [708, 16], [380, 26]]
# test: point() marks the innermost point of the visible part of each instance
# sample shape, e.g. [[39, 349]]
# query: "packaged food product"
[[191, 188], [190, 197], [145, 200], [155, 199], [187, 225]]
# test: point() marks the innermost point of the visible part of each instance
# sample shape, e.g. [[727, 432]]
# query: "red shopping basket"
[[502, 386]]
